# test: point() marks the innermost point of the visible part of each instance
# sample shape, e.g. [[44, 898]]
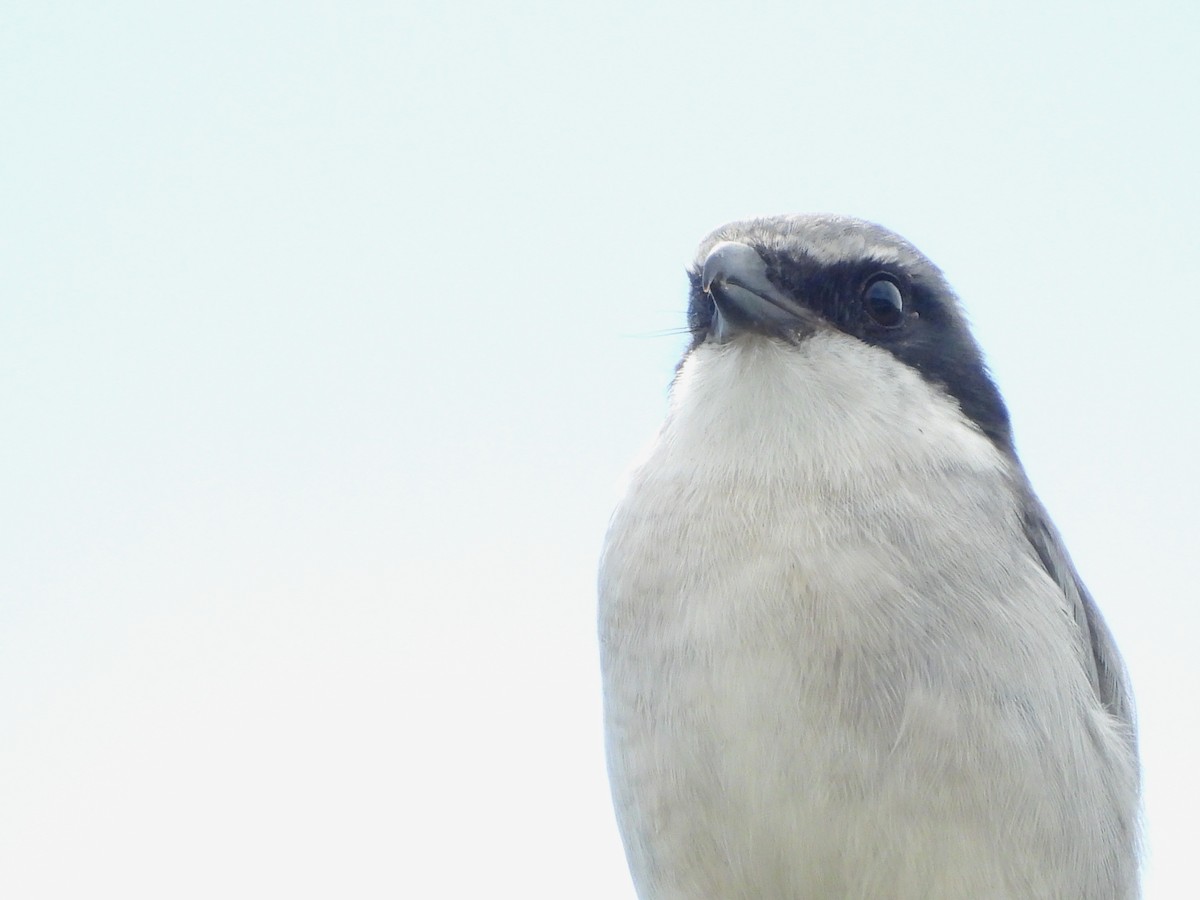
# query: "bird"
[[844, 651]]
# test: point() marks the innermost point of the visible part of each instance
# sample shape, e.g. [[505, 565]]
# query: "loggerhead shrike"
[[845, 653]]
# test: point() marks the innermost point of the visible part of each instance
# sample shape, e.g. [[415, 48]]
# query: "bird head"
[[788, 278]]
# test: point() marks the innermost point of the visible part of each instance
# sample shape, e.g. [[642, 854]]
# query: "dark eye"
[[884, 302]]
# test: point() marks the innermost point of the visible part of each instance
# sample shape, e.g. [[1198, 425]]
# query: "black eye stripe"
[[884, 302]]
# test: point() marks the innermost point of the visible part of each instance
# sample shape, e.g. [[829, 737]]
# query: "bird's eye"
[[884, 302]]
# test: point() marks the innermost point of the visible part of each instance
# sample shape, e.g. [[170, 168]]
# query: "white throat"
[[828, 409]]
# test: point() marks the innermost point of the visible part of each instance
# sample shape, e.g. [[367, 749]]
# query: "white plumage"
[[834, 666]]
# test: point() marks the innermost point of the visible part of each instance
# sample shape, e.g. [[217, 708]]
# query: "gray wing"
[[1106, 669]]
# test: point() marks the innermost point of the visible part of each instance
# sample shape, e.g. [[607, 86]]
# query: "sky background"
[[327, 331]]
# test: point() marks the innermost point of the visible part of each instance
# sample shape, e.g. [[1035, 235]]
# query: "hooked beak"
[[735, 276]]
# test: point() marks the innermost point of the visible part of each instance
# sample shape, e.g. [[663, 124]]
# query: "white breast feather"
[[832, 665]]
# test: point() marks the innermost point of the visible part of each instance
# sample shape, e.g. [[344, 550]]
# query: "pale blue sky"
[[326, 333]]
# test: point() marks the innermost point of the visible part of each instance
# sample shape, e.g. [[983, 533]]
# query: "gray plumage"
[[845, 653]]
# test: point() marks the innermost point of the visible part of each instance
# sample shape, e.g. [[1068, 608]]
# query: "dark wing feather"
[[1107, 671]]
